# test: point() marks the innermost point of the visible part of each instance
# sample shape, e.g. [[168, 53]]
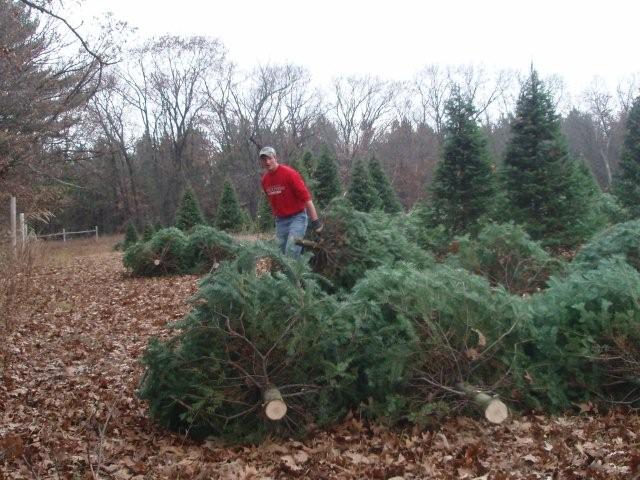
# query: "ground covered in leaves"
[[68, 404]]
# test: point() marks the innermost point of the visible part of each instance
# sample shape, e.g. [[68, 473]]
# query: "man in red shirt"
[[290, 202]]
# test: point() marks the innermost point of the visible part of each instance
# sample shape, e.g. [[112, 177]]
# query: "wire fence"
[[19, 230], [64, 234]]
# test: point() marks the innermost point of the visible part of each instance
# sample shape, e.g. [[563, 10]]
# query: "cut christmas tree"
[[353, 242], [252, 358]]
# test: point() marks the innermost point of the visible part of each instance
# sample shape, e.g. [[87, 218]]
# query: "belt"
[[292, 215]]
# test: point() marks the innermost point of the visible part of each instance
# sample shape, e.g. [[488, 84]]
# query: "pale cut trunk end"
[[493, 409], [496, 411], [274, 406]]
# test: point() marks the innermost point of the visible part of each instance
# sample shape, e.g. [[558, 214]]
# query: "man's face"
[[268, 163]]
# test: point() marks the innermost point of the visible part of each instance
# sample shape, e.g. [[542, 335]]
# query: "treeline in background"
[[117, 135]]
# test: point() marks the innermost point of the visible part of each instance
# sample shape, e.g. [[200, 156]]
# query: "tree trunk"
[[492, 408], [307, 244], [273, 405]]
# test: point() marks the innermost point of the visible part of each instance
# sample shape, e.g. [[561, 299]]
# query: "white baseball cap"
[[268, 151]]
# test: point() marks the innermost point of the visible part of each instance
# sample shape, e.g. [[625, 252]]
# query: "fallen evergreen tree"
[[162, 255], [584, 341], [170, 251], [206, 247], [268, 351], [621, 240], [505, 255], [255, 356], [416, 228], [417, 335], [353, 242]]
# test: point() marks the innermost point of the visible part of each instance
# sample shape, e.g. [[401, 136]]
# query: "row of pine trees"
[[538, 185], [369, 189], [230, 216]]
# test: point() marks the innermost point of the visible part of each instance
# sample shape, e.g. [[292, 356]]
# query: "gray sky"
[[393, 39]]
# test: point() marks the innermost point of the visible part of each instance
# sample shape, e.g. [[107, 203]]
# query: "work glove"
[[316, 225]]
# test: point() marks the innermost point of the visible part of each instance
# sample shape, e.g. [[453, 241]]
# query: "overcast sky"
[[393, 39]]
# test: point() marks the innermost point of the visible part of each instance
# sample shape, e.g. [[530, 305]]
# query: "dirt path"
[[68, 407]]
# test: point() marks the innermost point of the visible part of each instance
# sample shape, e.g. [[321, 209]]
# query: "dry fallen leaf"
[[74, 362], [301, 457], [290, 463], [11, 446]]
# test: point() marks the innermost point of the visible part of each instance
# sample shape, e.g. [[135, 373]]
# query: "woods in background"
[[106, 144]]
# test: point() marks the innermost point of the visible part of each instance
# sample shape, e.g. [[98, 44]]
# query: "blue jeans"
[[288, 229]]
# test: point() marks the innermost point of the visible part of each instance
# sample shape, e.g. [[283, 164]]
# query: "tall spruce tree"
[[542, 181], [361, 193], [464, 186], [189, 214], [229, 216], [327, 180], [627, 185], [389, 202]]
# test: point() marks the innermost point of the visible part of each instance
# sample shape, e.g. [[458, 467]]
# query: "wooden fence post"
[[64, 235], [96, 232], [12, 210]]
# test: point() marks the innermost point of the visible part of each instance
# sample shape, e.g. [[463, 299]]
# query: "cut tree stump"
[[274, 406], [492, 408], [307, 243]]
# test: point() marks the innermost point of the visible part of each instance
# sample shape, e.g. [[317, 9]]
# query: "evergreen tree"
[[583, 184], [280, 322], [464, 185], [326, 178], [309, 162], [541, 180], [306, 166], [298, 165], [627, 186], [264, 218], [189, 213], [229, 216], [361, 193], [148, 232], [130, 235], [388, 198]]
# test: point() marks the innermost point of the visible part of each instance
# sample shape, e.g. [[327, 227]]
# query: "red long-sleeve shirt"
[[286, 191]]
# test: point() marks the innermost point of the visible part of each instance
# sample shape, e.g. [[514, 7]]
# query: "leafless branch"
[[83, 42]]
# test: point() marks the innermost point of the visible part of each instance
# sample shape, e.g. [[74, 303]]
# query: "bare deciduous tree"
[[179, 70], [488, 92], [601, 106], [363, 110], [627, 91], [275, 99], [431, 84], [274, 104], [483, 89], [110, 111]]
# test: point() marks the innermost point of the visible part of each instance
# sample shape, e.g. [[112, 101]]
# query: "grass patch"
[[57, 253]]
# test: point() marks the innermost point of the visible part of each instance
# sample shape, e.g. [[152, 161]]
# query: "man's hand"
[[316, 225]]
